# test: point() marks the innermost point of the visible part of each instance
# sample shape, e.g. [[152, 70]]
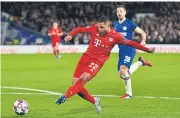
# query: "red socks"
[[82, 92], [75, 88], [85, 94], [56, 52]]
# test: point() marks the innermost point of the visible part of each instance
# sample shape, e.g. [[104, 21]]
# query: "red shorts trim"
[[88, 65]]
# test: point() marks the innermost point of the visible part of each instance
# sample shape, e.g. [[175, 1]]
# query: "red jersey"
[[100, 47], [55, 37]]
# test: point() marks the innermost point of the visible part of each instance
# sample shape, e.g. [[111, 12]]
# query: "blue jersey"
[[126, 28], [126, 53]]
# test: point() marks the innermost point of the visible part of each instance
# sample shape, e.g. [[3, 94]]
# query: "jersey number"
[[127, 59], [93, 66]]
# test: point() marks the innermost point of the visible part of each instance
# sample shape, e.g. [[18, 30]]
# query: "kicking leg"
[[84, 93], [74, 89]]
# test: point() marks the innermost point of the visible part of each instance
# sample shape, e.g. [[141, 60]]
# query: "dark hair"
[[122, 6], [103, 19]]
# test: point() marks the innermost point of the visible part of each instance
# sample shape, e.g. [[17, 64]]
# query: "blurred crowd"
[[162, 27]]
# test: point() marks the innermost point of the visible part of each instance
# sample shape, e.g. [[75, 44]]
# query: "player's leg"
[[94, 100], [91, 68], [78, 87], [78, 72], [54, 48], [127, 81], [84, 93], [57, 50], [85, 77], [141, 62], [74, 89], [124, 63]]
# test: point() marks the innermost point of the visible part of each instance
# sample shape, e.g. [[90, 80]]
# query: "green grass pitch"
[[45, 72]]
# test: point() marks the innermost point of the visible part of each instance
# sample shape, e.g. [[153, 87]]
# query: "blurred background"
[[27, 23]]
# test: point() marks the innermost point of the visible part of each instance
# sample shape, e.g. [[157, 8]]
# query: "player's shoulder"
[[114, 34], [91, 26], [115, 23]]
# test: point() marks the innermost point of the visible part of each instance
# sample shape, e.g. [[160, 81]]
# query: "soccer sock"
[[75, 88], [135, 66], [54, 52], [128, 87], [127, 83], [85, 95], [57, 51]]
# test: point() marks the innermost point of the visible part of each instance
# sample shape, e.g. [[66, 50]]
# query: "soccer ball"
[[20, 107]]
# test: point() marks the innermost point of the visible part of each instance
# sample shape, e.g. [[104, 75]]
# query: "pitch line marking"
[[31, 89], [46, 92], [14, 93]]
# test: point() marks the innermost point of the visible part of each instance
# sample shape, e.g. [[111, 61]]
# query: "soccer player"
[[55, 32], [126, 53], [103, 39]]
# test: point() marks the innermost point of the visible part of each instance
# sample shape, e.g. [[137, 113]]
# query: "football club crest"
[[97, 34], [110, 39], [124, 28]]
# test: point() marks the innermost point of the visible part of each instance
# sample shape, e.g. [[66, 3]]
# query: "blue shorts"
[[126, 57]]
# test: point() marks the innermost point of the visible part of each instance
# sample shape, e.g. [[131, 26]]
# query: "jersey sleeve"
[[133, 25], [87, 29], [122, 40], [114, 24], [50, 30], [60, 30]]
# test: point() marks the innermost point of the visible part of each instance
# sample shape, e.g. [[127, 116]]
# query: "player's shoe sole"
[[126, 96], [61, 99], [145, 62], [97, 105]]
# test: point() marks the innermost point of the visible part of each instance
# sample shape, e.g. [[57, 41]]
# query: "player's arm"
[[60, 33], [87, 29], [139, 46], [123, 40], [138, 30], [50, 33]]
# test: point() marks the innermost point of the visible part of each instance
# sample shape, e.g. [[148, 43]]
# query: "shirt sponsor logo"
[[124, 33]]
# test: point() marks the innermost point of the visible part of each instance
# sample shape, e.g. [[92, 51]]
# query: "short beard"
[[102, 33]]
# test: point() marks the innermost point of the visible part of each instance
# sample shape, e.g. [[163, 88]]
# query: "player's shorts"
[[126, 57], [88, 65], [55, 43]]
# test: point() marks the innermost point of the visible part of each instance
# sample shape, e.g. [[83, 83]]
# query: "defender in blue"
[[126, 53]]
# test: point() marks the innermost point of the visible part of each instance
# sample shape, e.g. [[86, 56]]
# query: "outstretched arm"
[[122, 40], [138, 46], [87, 29]]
